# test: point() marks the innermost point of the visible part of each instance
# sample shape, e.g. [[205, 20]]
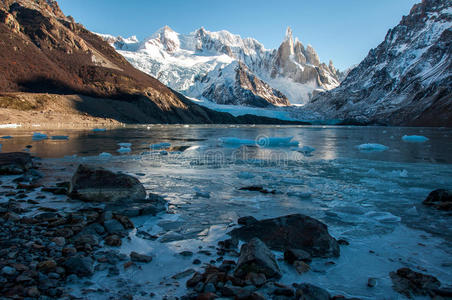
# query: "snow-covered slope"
[[406, 80], [227, 69]]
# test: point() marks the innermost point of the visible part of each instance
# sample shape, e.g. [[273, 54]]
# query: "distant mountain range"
[[43, 51], [227, 69]]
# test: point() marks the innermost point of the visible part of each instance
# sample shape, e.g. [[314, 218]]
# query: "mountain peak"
[[288, 33]]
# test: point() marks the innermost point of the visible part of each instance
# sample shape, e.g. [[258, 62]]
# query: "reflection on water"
[[330, 142]]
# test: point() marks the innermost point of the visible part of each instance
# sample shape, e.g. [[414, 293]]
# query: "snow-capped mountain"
[[406, 80], [227, 69]]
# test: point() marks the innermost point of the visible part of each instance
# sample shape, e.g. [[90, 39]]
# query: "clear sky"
[[341, 30]]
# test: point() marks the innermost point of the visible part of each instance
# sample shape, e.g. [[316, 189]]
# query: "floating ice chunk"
[[6, 137], [245, 175], [105, 155], [99, 129], [383, 217], [305, 150], [372, 147], [1, 147], [414, 138], [412, 211], [126, 145], [60, 137], [200, 193], [163, 152], [160, 146], [37, 136], [124, 150], [260, 141], [399, 173]]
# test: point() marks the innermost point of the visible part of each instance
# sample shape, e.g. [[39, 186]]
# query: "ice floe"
[[60, 137], [307, 150], [7, 137], [414, 138], [260, 141], [37, 136], [105, 155], [124, 150], [99, 129], [126, 145], [160, 146], [372, 147]]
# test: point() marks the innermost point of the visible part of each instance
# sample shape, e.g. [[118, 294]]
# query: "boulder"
[[291, 232], [257, 258], [134, 256], [440, 198], [94, 184], [308, 291], [79, 265], [411, 283], [15, 163]]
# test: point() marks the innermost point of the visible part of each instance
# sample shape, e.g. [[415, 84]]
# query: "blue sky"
[[341, 30]]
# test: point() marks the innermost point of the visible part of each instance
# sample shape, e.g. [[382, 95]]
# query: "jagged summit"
[[186, 62], [406, 80]]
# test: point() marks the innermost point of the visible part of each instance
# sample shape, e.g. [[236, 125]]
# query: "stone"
[[15, 163], [295, 231], [81, 266], [113, 240], [301, 266], [411, 283], [292, 255], [183, 274], [33, 292], [308, 291], [59, 241], [256, 279], [94, 184], [113, 226], [371, 282], [47, 266], [125, 221], [134, 256], [440, 199], [8, 270], [256, 257], [90, 239]]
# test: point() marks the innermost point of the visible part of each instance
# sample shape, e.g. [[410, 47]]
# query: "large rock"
[[94, 184], [411, 283], [292, 232], [257, 258], [307, 291], [15, 163], [80, 265], [440, 198]]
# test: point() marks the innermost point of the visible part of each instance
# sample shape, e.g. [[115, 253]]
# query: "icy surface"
[[39, 136], [373, 200]]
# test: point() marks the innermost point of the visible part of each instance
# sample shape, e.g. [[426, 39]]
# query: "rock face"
[[257, 258], [236, 84], [15, 163], [411, 283], [406, 80], [94, 184], [291, 232], [440, 199], [234, 70]]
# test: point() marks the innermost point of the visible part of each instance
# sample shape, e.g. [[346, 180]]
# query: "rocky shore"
[[49, 253]]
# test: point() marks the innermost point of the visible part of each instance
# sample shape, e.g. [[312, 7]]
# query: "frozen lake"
[[370, 195]]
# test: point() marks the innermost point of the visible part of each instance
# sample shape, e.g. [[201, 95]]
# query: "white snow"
[[414, 138], [372, 147], [10, 125]]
